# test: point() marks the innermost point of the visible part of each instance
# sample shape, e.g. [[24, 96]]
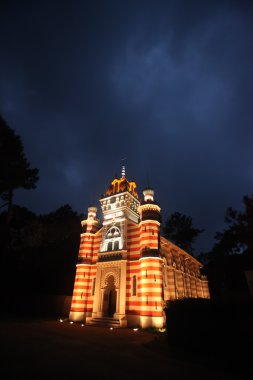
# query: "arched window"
[[113, 232], [113, 239]]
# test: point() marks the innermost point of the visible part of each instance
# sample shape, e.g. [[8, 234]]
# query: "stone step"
[[107, 319], [115, 322], [104, 322]]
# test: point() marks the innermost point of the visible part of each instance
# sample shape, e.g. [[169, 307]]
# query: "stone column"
[[97, 295], [122, 290], [117, 301]]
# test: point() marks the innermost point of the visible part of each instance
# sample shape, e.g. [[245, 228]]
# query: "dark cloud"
[[166, 83]]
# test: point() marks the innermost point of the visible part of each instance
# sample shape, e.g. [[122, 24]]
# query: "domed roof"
[[120, 185]]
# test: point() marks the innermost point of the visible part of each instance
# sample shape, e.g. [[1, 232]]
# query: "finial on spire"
[[123, 170]]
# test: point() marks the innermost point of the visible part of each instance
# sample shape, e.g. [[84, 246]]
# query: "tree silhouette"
[[179, 229], [232, 255], [15, 171], [42, 250], [237, 238]]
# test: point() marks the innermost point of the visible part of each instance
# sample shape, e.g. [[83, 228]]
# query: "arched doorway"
[[110, 297]]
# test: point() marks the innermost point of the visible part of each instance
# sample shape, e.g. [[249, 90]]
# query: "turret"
[[150, 261], [148, 194], [149, 209], [150, 222], [91, 224]]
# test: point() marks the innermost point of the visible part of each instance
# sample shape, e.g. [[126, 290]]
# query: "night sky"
[[167, 84]]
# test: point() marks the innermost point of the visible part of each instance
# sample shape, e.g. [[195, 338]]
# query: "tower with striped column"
[[151, 279], [84, 286]]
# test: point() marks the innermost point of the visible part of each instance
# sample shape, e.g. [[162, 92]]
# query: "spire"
[[123, 170]]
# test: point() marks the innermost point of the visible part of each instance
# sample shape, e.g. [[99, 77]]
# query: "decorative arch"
[[108, 273]]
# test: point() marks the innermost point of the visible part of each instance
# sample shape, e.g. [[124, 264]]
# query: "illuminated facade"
[[126, 270]]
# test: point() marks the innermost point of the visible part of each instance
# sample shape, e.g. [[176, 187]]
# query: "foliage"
[[215, 330], [42, 251], [179, 229], [237, 238], [59, 224], [14, 168], [232, 255]]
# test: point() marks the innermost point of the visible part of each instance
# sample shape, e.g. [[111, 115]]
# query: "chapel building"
[[126, 270]]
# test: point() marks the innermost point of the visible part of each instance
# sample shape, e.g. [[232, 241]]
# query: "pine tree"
[[15, 171]]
